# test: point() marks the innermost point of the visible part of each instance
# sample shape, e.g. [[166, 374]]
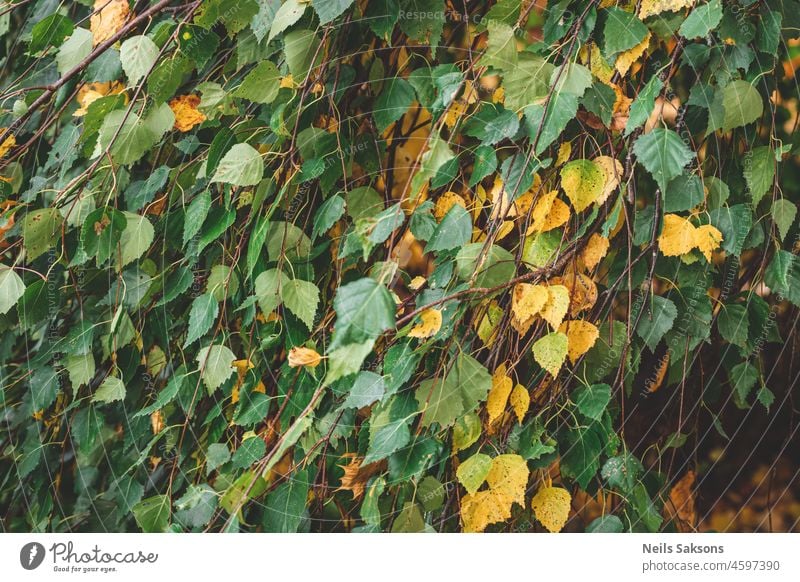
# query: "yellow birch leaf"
[[582, 290], [456, 112], [417, 283], [626, 59], [583, 181], [523, 204], [429, 325], [481, 510], [509, 477], [612, 170], [507, 480], [445, 202], [557, 305], [499, 95], [7, 144], [581, 336], [108, 18], [594, 251], [498, 395], [505, 229], [300, 356], [91, 92], [549, 213], [186, 113], [707, 239], [564, 151], [652, 7], [550, 352], [551, 506], [678, 236], [520, 401], [527, 300]]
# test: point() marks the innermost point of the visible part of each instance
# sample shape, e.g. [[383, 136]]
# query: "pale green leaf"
[[241, 166]]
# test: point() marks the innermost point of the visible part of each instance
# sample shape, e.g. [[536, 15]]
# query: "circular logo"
[[31, 555]]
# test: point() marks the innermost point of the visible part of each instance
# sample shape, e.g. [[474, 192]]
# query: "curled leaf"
[[301, 356]]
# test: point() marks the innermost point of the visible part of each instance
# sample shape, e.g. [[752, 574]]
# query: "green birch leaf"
[[301, 298], [241, 166], [261, 85], [328, 10], [11, 289], [742, 105], [364, 310], [137, 54], [74, 50], [216, 365], [702, 20], [784, 213], [472, 472], [111, 390], [663, 154], [136, 238], [205, 309], [759, 172]]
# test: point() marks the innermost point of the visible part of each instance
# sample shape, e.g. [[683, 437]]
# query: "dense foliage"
[[388, 265]]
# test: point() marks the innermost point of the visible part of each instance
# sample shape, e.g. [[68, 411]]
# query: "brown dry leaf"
[[626, 59], [612, 168], [108, 18], [157, 421], [445, 202], [186, 113], [621, 111], [355, 476], [707, 239], [594, 251], [681, 499], [498, 395], [557, 305], [551, 506], [652, 7], [549, 212], [581, 336], [429, 325], [300, 356], [520, 401], [527, 300], [656, 379], [7, 144], [678, 236], [507, 480]]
